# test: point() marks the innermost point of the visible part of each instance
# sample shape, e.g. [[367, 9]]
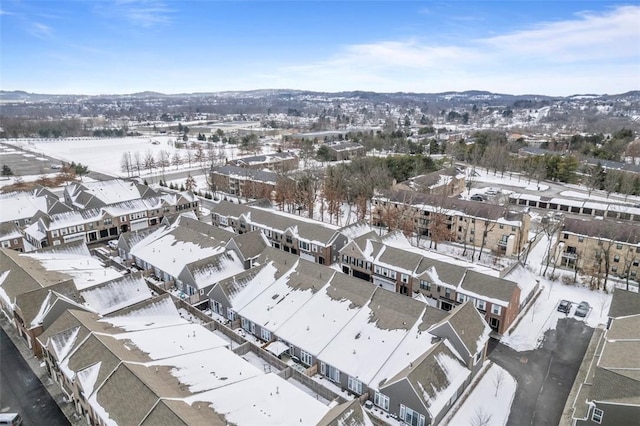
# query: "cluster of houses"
[[243, 320], [92, 212]]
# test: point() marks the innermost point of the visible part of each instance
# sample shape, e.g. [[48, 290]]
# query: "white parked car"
[[113, 244]]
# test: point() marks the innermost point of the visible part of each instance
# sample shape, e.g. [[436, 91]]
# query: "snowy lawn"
[[543, 314], [489, 403]]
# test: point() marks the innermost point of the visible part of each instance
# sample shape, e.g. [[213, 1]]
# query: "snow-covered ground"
[[509, 179], [543, 315], [490, 400], [105, 154]]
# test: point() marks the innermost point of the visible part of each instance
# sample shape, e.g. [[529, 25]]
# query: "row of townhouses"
[[410, 359], [92, 212]]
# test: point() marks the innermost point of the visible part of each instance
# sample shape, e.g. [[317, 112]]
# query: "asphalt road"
[[544, 376], [21, 391]]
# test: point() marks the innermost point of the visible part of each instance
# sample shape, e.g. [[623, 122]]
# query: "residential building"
[[567, 205], [149, 366], [278, 162], [244, 182], [24, 208], [610, 391], [473, 223], [392, 263], [345, 150], [106, 223], [448, 182], [191, 256], [328, 323], [600, 246], [11, 237], [92, 195], [310, 239]]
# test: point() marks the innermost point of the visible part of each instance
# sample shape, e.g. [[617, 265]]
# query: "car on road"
[[476, 197], [10, 419], [583, 309], [564, 306], [492, 191]]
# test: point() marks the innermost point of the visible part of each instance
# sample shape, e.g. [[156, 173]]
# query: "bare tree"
[[176, 159], [189, 157], [137, 161], [480, 418], [149, 161], [125, 163], [550, 227], [163, 160]]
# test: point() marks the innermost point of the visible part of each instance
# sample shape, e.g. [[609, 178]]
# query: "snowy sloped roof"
[[85, 270], [21, 205], [109, 191], [316, 324], [265, 400], [113, 295], [166, 342], [172, 248], [241, 289], [437, 376], [356, 229], [274, 306], [157, 312], [208, 369], [374, 332], [210, 270]]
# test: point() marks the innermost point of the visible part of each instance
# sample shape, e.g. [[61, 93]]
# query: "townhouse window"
[[501, 226], [377, 270], [123, 218], [54, 233], [231, 315], [381, 400], [425, 285], [566, 236], [473, 231], [246, 325], [496, 309], [355, 385], [513, 229], [619, 246], [411, 417], [289, 239], [265, 334], [438, 288], [392, 275], [404, 278], [636, 262], [614, 269], [447, 293], [306, 358], [634, 273], [331, 372], [345, 258], [303, 245], [217, 307], [481, 305], [108, 221], [314, 248], [461, 298], [72, 229], [580, 238], [80, 227], [616, 258], [638, 249], [63, 231], [597, 415]]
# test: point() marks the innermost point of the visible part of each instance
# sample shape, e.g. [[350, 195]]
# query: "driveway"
[[545, 375]]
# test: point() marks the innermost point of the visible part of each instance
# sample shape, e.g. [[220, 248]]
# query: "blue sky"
[[125, 46]]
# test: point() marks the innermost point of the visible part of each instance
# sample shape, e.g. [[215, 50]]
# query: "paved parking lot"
[[25, 163], [544, 375]]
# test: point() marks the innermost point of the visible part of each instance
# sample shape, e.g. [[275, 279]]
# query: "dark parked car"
[[564, 306], [476, 197], [583, 309]]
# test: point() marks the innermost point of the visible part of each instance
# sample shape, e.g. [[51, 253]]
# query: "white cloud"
[[589, 53], [145, 13], [40, 30]]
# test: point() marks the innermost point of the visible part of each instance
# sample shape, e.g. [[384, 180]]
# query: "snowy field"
[[105, 154], [489, 401]]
